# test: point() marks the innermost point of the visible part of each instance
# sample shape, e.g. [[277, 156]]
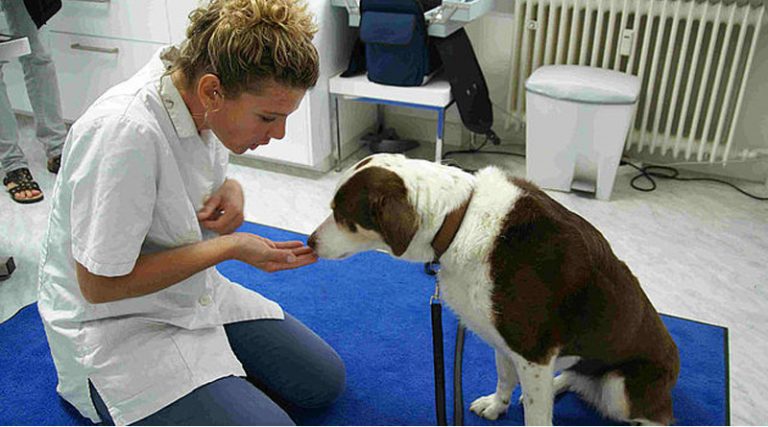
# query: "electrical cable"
[[665, 172]]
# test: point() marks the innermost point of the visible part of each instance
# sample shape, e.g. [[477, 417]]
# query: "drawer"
[[88, 66], [145, 20]]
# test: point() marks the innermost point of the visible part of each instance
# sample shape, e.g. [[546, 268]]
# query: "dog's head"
[[392, 203]]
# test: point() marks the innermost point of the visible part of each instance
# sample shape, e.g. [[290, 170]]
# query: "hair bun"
[[274, 13]]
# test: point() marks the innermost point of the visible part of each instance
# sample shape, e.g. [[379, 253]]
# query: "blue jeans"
[[43, 91], [285, 362]]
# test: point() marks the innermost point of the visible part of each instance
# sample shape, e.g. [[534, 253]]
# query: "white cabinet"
[[97, 44], [94, 45], [144, 20], [88, 65]]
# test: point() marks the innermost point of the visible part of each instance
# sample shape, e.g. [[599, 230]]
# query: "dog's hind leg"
[[493, 405], [563, 380], [537, 386]]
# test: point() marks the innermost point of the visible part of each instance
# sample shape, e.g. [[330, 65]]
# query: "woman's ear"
[[209, 92]]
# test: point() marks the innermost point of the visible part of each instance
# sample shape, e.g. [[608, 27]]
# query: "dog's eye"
[[349, 225]]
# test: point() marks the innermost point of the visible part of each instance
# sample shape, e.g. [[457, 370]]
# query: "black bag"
[[42, 10], [468, 85]]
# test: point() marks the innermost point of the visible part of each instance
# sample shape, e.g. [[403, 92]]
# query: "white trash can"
[[577, 119]]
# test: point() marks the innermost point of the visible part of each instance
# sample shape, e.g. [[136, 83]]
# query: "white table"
[[435, 96], [13, 47]]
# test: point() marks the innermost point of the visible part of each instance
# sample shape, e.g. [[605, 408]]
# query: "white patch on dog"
[[338, 242], [493, 405], [607, 393]]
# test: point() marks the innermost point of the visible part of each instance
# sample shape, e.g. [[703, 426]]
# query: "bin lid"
[[584, 84]]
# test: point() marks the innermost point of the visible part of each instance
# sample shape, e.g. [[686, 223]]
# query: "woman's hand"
[[223, 211], [270, 256]]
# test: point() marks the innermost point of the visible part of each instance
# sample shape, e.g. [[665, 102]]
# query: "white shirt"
[[135, 172]]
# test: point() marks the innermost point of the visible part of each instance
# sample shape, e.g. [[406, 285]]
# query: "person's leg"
[[226, 401], [20, 188], [11, 156], [40, 78], [288, 360]]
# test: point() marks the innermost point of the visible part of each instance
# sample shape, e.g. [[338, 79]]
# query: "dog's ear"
[[377, 199], [397, 221]]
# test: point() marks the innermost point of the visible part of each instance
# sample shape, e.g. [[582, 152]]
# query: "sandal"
[[54, 163], [22, 180]]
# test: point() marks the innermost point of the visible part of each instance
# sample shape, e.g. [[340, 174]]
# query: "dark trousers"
[[282, 358]]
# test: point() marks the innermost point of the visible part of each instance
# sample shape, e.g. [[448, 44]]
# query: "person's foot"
[[54, 163], [22, 187]]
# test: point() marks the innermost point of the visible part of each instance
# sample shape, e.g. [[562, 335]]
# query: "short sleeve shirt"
[[135, 172]]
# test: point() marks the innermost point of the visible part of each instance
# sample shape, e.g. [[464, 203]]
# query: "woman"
[[142, 328]]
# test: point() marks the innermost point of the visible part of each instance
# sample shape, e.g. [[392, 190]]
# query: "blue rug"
[[374, 310]]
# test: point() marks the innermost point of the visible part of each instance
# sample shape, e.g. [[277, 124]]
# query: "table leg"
[[440, 133], [336, 130]]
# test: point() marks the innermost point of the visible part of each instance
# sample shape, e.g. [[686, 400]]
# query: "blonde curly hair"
[[248, 43]]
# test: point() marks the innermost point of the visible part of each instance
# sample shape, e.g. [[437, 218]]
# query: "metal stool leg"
[[440, 134], [336, 129]]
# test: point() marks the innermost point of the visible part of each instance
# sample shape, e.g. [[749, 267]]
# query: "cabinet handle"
[[78, 46]]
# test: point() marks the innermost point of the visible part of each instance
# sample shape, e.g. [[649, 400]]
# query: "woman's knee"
[[327, 385]]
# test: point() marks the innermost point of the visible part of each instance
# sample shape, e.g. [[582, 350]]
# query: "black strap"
[[458, 394], [437, 347]]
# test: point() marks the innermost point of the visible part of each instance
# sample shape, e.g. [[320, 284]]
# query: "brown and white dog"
[[537, 282]]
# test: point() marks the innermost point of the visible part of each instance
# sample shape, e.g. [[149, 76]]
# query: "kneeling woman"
[[141, 326]]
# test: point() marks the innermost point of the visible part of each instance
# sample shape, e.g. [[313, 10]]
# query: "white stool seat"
[[436, 93]]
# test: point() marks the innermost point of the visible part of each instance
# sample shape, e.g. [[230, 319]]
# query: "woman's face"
[[251, 120]]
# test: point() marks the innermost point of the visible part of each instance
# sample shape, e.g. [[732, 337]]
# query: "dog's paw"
[[489, 407]]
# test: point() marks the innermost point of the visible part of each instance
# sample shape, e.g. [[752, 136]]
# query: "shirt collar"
[[172, 100]]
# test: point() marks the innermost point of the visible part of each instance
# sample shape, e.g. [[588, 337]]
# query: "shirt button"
[[205, 300]]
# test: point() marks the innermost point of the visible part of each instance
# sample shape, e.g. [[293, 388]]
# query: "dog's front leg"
[[493, 405], [537, 388]]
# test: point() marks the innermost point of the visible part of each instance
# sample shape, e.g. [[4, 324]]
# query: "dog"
[[534, 280]]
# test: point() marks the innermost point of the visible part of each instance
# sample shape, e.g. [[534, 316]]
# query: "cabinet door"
[[295, 147], [88, 66], [145, 20]]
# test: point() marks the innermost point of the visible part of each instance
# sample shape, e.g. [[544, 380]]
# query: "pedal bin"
[[577, 119]]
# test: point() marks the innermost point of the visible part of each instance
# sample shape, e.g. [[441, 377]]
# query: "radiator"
[[693, 58]]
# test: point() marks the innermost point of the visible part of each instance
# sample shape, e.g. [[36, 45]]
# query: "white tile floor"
[[699, 249]]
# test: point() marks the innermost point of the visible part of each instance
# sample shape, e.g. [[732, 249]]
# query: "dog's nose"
[[312, 241]]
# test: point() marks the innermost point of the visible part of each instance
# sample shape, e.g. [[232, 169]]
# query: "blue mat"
[[374, 310]]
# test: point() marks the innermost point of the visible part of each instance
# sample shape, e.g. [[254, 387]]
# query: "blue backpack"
[[397, 47]]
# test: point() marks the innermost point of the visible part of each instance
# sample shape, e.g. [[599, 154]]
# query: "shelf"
[[443, 20]]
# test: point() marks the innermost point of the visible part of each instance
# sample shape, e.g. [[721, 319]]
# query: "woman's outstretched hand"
[[270, 256]]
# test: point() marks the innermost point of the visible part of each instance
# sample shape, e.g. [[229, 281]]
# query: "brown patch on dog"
[[558, 284], [363, 163], [376, 199]]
